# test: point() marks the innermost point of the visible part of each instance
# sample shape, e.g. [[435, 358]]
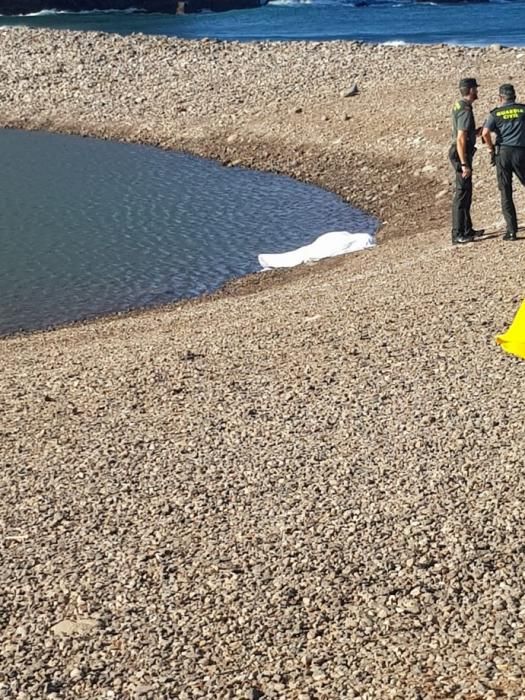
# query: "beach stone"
[[350, 92], [70, 627]]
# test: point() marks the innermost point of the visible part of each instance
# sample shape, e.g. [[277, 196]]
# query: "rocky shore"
[[310, 485]]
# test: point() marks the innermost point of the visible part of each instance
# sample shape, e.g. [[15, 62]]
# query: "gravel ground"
[[310, 485]]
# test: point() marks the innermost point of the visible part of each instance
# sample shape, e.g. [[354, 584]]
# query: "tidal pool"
[[90, 227]]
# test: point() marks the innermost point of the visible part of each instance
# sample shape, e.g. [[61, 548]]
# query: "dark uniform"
[[462, 119], [508, 123]]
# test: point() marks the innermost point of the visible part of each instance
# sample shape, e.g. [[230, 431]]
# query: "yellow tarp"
[[513, 340]]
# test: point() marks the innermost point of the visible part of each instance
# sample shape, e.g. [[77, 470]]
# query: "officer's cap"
[[507, 90], [468, 83]]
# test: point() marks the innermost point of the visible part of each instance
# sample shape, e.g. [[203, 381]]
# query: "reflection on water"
[[90, 227]]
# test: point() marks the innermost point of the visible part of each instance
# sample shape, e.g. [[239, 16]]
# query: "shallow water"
[[90, 227], [400, 21]]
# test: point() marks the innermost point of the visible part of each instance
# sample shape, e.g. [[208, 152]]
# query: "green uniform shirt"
[[508, 123], [463, 120]]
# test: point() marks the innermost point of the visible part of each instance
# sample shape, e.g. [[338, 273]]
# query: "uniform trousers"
[[461, 221], [509, 161]]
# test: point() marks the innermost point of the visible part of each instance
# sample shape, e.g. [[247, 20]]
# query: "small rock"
[[411, 606], [318, 674], [350, 92], [68, 627]]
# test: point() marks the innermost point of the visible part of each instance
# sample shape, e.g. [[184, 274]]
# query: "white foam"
[[394, 42], [285, 3], [45, 13], [318, 3]]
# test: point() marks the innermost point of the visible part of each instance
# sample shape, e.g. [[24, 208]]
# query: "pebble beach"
[[309, 484]]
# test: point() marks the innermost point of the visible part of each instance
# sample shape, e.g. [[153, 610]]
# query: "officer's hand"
[[466, 171], [492, 158]]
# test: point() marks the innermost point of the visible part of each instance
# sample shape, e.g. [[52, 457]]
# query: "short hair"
[[507, 90]]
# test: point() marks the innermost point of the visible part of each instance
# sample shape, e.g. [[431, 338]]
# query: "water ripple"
[[91, 227]]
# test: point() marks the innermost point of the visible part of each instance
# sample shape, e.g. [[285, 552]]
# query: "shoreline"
[[309, 163], [313, 166], [242, 284], [378, 172], [314, 490]]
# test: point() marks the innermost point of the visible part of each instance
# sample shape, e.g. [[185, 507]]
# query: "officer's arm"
[[461, 147], [486, 135]]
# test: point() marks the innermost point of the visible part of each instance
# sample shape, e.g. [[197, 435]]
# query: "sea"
[[378, 21]]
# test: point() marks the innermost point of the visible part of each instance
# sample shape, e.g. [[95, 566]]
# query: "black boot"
[[462, 238], [476, 232]]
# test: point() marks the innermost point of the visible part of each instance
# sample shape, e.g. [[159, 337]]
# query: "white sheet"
[[326, 246]]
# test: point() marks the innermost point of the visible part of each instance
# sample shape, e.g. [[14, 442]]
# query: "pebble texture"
[[308, 486]]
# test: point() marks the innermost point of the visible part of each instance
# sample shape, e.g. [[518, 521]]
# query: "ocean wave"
[[332, 3], [47, 13], [291, 2], [387, 3], [276, 3], [346, 3]]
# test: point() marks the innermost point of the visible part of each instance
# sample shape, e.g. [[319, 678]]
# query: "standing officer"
[[461, 154], [508, 154]]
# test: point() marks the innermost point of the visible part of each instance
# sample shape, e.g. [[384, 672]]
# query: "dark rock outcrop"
[[24, 7]]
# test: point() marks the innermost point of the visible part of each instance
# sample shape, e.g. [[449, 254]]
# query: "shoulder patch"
[[458, 106]]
